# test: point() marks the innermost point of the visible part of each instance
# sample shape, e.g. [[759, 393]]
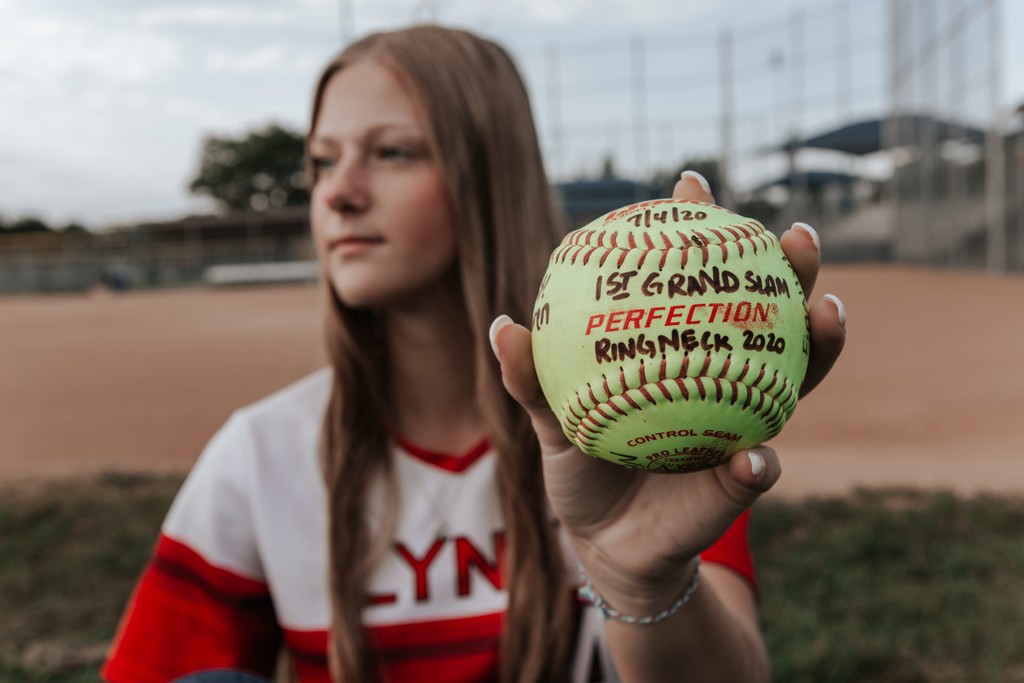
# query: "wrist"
[[631, 601]]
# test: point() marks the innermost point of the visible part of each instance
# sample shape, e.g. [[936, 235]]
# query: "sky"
[[104, 104]]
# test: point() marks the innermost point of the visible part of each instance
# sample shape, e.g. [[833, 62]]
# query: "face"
[[380, 212]]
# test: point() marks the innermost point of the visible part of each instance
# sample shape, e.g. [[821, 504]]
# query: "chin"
[[364, 294]]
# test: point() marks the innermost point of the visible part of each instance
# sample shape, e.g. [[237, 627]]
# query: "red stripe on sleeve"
[[308, 650], [463, 650], [187, 615], [733, 549], [444, 651]]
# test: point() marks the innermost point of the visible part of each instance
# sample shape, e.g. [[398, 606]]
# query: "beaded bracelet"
[[590, 596]]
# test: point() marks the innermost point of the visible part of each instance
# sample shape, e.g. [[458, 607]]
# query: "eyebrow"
[[375, 130]]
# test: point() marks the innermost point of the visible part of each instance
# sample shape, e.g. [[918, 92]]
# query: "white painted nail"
[[498, 323], [810, 231], [701, 180], [756, 463], [839, 307]]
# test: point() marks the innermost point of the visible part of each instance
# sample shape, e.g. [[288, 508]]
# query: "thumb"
[[750, 473], [692, 185], [511, 345]]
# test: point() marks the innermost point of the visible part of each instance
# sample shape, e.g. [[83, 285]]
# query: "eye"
[[321, 164], [395, 153]]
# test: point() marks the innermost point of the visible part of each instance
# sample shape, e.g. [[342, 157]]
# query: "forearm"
[[713, 637]]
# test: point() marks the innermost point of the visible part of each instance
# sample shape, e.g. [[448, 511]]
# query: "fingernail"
[[756, 463], [839, 307], [701, 180], [498, 323], [810, 231]]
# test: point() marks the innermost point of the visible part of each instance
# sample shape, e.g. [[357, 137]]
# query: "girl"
[[413, 512]]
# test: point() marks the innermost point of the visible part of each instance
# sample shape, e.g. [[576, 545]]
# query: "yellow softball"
[[669, 334]]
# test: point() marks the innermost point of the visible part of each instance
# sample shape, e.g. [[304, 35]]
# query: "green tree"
[[260, 170], [28, 224], [754, 207], [664, 181]]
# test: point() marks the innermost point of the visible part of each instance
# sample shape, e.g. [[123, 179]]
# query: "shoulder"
[[278, 435], [260, 467], [285, 420], [303, 400]]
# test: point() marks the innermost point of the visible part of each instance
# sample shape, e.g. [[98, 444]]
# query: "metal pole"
[[798, 189], [936, 249], [890, 127], [995, 167], [347, 21], [844, 63], [723, 193], [955, 218], [639, 109], [555, 106]]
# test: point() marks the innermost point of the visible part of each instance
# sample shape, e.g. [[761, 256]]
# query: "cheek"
[[431, 212], [318, 214]]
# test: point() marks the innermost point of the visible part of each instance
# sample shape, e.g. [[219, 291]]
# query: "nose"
[[345, 187]]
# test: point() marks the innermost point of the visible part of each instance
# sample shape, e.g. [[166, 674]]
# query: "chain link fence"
[[877, 121]]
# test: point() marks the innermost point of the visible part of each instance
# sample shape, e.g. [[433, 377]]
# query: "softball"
[[669, 334]]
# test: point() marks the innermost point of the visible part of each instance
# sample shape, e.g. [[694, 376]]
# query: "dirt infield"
[[928, 394]]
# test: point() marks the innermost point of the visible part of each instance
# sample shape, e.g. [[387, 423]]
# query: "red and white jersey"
[[241, 563]]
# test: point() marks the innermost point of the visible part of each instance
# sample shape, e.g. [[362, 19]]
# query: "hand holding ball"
[[669, 334]]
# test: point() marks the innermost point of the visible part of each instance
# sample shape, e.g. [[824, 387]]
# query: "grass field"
[[882, 586]]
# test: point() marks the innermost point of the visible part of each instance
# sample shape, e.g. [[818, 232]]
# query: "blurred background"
[[147, 143], [156, 273]]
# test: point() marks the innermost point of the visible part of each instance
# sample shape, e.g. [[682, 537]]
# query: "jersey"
[[240, 567]]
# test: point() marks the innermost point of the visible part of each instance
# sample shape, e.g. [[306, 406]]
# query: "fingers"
[[827, 316], [693, 186], [752, 472], [802, 248], [511, 345], [827, 319]]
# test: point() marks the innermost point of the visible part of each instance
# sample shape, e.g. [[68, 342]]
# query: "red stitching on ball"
[[774, 402], [760, 376], [743, 372], [700, 387], [665, 392]]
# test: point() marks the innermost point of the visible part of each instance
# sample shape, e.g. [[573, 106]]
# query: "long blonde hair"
[[482, 133]]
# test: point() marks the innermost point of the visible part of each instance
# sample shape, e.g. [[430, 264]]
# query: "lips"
[[353, 244]]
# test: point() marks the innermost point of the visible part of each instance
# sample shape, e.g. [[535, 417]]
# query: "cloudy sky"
[[104, 104]]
